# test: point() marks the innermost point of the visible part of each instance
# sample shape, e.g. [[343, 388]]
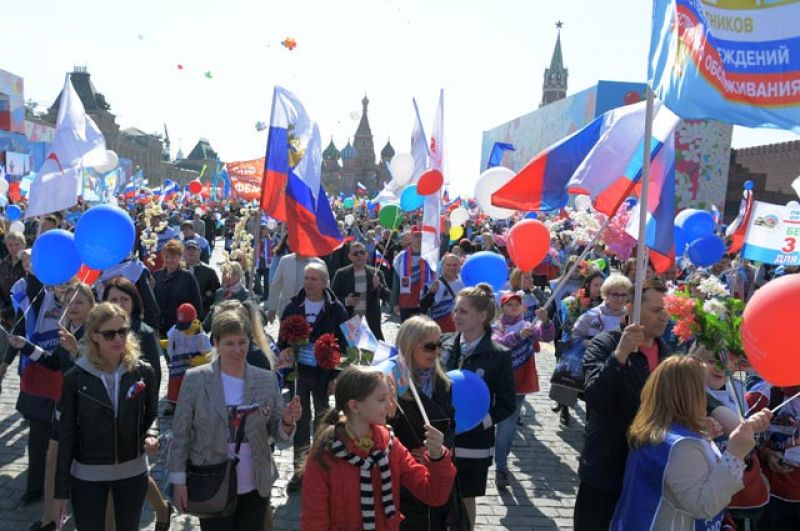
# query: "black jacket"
[[344, 283], [408, 428], [172, 290], [612, 400], [90, 433], [332, 315], [152, 313], [208, 282], [493, 363]]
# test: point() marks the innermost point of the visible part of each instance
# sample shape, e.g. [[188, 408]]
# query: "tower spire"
[[555, 77]]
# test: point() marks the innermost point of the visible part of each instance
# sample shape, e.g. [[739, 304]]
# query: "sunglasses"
[[109, 335], [432, 347], [356, 253]]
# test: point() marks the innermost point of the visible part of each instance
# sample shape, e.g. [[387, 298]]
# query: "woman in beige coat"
[[215, 400]]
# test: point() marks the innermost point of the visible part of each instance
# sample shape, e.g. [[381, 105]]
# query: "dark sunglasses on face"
[[109, 335], [432, 347], [356, 253]]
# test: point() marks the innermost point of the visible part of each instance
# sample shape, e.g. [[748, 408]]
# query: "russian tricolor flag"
[[361, 188], [291, 190], [602, 160]]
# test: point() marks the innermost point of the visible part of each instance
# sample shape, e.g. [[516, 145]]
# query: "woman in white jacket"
[[675, 477]]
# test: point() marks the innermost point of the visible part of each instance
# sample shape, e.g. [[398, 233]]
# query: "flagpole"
[[641, 249]]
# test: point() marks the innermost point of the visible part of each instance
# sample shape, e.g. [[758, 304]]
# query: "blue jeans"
[[504, 436]]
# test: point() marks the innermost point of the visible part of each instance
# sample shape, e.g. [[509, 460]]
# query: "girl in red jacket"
[[356, 466]]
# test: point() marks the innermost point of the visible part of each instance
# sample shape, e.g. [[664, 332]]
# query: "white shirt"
[[245, 470], [312, 310]]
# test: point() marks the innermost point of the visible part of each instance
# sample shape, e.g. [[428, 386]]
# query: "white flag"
[[58, 182], [432, 206]]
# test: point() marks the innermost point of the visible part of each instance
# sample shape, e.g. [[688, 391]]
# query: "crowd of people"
[[675, 437]]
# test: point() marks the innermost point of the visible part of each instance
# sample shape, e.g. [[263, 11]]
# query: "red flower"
[[327, 352], [295, 331]]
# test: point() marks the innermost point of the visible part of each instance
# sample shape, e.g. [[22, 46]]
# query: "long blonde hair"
[[99, 315], [411, 334], [674, 394]]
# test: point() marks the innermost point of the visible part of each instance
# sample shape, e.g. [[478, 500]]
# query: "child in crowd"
[[522, 338], [187, 346], [356, 466]]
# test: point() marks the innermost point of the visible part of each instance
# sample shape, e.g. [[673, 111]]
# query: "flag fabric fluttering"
[[431, 227], [737, 230], [77, 138], [496, 156], [291, 190], [603, 160], [728, 62], [660, 227]]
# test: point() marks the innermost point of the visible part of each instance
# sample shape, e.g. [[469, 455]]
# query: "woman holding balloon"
[[471, 349], [419, 342]]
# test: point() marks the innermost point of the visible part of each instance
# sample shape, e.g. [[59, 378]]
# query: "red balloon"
[[528, 243], [768, 323], [430, 182], [195, 186]]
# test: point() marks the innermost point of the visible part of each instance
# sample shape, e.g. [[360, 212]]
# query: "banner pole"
[[641, 249]]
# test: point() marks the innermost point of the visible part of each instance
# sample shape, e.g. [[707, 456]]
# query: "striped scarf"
[[364, 465]]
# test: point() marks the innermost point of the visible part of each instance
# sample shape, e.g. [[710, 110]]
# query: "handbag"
[[211, 489]]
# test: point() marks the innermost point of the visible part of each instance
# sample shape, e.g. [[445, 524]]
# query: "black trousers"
[[312, 383], [594, 508], [780, 515], [38, 440], [250, 514], [89, 499]]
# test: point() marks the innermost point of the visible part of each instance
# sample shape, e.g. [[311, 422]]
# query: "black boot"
[[556, 408], [565, 418]]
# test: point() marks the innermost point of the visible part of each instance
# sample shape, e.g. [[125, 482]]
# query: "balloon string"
[[779, 406]]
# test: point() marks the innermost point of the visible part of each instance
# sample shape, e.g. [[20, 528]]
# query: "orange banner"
[[246, 176]]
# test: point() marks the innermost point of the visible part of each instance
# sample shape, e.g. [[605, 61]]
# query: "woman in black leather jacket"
[[108, 402], [419, 342]]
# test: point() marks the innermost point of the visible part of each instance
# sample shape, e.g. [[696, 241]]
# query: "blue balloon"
[[749, 185], [680, 241], [104, 236], [706, 250], [531, 215], [13, 212], [54, 258], [695, 223], [471, 399], [485, 266], [410, 199]]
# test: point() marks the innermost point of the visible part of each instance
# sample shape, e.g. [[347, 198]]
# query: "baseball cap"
[[509, 296], [186, 313], [191, 243]]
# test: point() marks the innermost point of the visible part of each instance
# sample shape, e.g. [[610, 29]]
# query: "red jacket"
[[331, 497]]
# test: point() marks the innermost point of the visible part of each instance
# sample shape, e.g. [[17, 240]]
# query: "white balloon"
[[459, 216], [402, 168], [17, 226], [793, 205], [271, 224], [488, 183], [108, 163], [583, 202], [796, 186], [349, 219], [3, 186]]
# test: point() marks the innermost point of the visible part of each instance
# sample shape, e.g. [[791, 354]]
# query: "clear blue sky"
[[488, 56]]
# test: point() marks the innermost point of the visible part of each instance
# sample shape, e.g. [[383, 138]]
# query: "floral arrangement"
[[327, 352], [150, 233], [714, 321], [295, 331], [578, 303], [618, 241], [242, 245]]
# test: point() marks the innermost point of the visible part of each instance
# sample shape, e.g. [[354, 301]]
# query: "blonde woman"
[[675, 477], [108, 403], [232, 287], [419, 342]]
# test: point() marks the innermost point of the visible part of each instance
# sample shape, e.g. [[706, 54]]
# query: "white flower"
[[712, 287], [716, 308]]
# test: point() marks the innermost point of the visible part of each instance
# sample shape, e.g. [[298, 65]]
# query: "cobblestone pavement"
[[544, 463]]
